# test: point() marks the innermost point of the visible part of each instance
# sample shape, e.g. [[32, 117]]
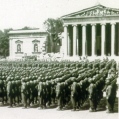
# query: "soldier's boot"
[[28, 103], [44, 107], [59, 108], [17, 100], [24, 102], [41, 107], [11, 102], [74, 108], [90, 109], [53, 101], [25, 105], [108, 111], [6, 99], [44, 104], [2, 100], [40, 103]]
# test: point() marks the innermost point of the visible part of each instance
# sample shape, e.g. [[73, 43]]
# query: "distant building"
[[27, 43]]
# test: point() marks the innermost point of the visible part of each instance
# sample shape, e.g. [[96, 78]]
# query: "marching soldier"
[[24, 94], [10, 93], [111, 96], [93, 96], [42, 95], [2, 90]]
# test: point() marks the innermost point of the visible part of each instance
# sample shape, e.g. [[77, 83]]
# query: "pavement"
[[53, 113]]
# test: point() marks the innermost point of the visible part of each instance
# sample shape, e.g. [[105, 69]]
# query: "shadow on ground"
[[85, 106]]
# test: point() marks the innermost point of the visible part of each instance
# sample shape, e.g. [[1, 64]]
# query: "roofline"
[[26, 31], [99, 5], [80, 17]]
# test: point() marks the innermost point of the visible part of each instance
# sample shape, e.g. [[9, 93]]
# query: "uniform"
[[111, 95]]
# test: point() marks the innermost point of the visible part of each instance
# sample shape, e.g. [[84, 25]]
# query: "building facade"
[[26, 43], [92, 32]]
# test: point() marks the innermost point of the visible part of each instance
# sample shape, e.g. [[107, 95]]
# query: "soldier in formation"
[[47, 83]]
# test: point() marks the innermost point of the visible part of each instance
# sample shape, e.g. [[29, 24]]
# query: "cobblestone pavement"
[[52, 113]]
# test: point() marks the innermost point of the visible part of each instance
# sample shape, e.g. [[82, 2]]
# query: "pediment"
[[19, 41], [98, 10], [35, 41]]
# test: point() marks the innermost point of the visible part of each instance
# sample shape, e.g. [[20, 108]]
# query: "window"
[[18, 47], [35, 47]]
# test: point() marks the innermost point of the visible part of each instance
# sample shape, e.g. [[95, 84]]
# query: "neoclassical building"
[[26, 43], [91, 32]]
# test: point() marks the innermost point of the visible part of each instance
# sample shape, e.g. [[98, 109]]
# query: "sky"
[[17, 14]]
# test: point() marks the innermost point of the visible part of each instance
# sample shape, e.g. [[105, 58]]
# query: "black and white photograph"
[[59, 59]]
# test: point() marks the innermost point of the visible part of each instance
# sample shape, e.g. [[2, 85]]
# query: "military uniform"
[[24, 94], [10, 93], [2, 90], [111, 95], [93, 97]]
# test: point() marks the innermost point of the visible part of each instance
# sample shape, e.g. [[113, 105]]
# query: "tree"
[[53, 27], [4, 42], [26, 28]]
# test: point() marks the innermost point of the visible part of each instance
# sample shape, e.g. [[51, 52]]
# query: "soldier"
[[14, 92], [10, 93], [28, 93], [48, 93], [34, 92], [67, 93], [5, 91], [100, 85], [24, 94], [2, 90], [111, 96], [60, 95], [74, 95], [41, 95], [92, 96], [53, 92]]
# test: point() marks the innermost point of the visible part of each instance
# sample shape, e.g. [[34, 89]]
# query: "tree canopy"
[[4, 42], [53, 27]]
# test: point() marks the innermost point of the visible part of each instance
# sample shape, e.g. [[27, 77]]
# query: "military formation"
[[61, 83]]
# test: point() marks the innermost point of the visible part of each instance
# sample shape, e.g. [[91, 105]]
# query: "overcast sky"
[[19, 13]]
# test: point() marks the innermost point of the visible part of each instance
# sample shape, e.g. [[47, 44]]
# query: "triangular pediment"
[[19, 41], [98, 10], [35, 41]]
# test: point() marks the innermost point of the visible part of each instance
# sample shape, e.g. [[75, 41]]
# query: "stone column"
[[77, 41], [65, 40], [103, 39], [77, 47], [74, 39], [93, 39], [84, 40], [113, 39], [68, 45]]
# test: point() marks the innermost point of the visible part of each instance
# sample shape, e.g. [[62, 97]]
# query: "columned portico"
[[93, 32]]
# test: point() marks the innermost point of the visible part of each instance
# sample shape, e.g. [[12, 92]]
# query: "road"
[[52, 113]]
